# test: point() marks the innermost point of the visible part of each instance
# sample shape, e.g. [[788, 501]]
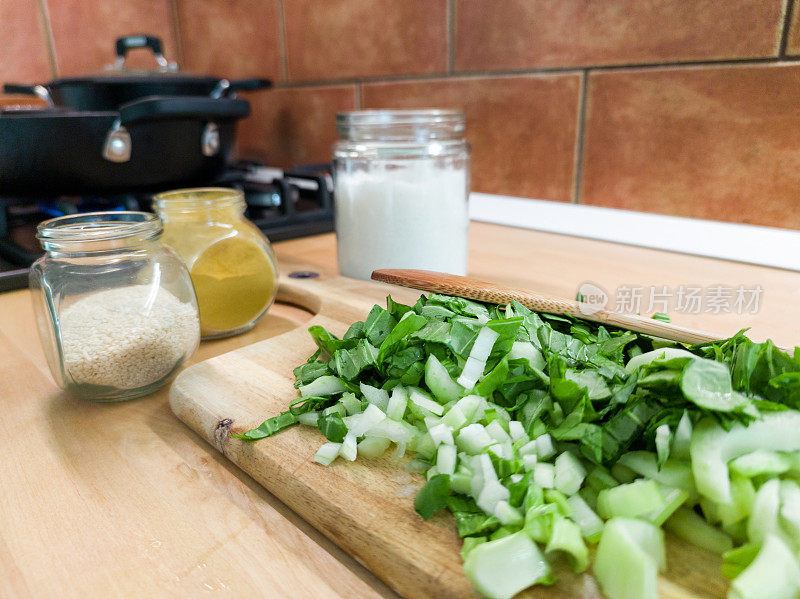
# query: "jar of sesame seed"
[[116, 310]]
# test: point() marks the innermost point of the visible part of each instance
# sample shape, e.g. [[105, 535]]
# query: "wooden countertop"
[[118, 500]]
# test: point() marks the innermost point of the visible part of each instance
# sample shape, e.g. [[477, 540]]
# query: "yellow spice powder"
[[234, 281]]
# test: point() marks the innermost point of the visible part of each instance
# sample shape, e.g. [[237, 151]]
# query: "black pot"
[[147, 144], [118, 85]]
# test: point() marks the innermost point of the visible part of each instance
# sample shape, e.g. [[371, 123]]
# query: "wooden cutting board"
[[366, 506]]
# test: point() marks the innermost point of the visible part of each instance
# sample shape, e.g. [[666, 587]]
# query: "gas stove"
[[284, 204]]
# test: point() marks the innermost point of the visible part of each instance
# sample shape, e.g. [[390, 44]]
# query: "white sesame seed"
[[109, 340]]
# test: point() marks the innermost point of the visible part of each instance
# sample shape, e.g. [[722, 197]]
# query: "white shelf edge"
[[765, 246]]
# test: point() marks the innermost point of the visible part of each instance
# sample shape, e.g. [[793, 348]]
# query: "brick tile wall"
[[670, 106]]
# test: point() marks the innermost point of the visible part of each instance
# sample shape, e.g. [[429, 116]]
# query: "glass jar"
[[401, 180], [116, 310], [230, 260]]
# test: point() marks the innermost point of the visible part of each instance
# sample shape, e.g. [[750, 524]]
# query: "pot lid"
[[117, 73]]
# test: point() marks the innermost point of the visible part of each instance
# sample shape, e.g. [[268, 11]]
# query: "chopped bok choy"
[[543, 435]]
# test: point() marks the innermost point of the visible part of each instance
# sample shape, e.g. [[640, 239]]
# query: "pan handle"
[[129, 42], [157, 108], [40, 91], [117, 146], [229, 88]]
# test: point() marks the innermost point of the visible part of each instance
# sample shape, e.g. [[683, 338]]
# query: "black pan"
[[149, 143], [118, 85]]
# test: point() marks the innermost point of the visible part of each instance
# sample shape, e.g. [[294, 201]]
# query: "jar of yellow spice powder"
[[229, 259]]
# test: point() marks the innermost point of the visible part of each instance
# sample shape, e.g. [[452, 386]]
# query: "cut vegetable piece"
[[569, 473], [544, 446], [423, 400], [517, 432], [327, 453], [373, 395], [324, 385], [394, 430], [774, 574], [308, 418], [438, 380], [529, 462], [736, 560], [687, 525], [366, 421], [544, 475], [528, 449], [473, 439], [492, 493], [441, 433], [349, 448], [509, 516], [763, 519], [673, 499], [760, 462], [683, 437], [667, 353], [707, 383], [566, 537], [742, 496], [497, 432], [584, 516], [433, 496], [790, 510], [500, 569], [713, 447], [662, 441], [629, 556], [630, 500], [674, 473], [373, 447], [527, 351], [398, 402], [476, 362], [446, 459]]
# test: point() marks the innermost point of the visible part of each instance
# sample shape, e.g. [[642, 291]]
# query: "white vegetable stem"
[[476, 361]]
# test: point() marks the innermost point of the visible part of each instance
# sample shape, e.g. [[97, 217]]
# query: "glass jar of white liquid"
[[401, 185]]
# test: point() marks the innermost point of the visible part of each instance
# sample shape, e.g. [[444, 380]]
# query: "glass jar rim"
[[99, 226], [195, 198], [424, 116], [401, 125]]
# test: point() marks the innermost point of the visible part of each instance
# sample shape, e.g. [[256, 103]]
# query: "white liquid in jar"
[[410, 216]]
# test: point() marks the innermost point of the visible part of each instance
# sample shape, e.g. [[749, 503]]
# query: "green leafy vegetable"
[[535, 428]]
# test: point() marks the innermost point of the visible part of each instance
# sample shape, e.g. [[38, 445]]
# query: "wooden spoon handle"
[[492, 293]]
